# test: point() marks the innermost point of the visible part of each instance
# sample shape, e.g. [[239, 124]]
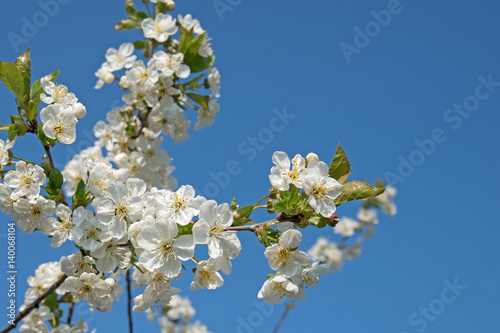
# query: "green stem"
[[264, 198], [22, 159]]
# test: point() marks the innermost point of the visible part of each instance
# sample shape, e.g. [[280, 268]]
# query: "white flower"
[[154, 157], [211, 229], [206, 276], [25, 180], [121, 58], [206, 117], [105, 75], [58, 94], [327, 252], [169, 64], [277, 287], [182, 205], [34, 321], [354, 251], [180, 309], [284, 257], [205, 49], [282, 176], [4, 151], [63, 228], [90, 288], [309, 276], [322, 190], [76, 264], [158, 291], [161, 28], [189, 23], [59, 123], [109, 256], [123, 206], [214, 81], [346, 227], [32, 214], [93, 232], [5, 199], [162, 251], [367, 216]]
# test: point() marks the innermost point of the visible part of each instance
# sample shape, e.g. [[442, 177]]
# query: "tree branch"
[[30, 307], [129, 301], [288, 307]]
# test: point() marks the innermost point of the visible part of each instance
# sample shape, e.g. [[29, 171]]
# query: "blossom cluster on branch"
[[120, 206]]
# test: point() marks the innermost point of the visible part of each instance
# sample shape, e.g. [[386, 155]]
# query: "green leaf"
[[37, 89], [51, 302], [200, 99], [23, 63], [141, 16], [340, 168], [193, 47], [130, 9], [80, 191], [185, 38], [13, 79], [245, 211], [318, 221], [12, 132], [126, 25], [55, 179], [357, 190], [32, 109], [161, 7], [234, 206], [139, 44], [199, 63]]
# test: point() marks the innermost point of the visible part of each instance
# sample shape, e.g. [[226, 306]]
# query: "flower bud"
[[79, 110], [170, 5], [310, 157]]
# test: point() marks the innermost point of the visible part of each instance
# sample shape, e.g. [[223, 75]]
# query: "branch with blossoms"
[[123, 210]]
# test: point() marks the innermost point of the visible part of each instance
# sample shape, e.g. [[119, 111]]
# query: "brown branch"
[[30, 307], [70, 313], [129, 301], [254, 227], [288, 307]]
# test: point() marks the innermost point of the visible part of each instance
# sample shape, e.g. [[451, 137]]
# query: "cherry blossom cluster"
[[36, 321], [176, 317], [309, 174], [125, 213], [334, 253], [63, 112]]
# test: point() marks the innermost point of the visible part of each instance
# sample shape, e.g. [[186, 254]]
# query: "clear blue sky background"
[[395, 90]]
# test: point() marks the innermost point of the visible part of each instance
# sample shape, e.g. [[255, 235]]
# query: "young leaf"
[[13, 79], [55, 179], [357, 190], [199, 63], [37, 89], [340, 168], [245, 211], [126, 25], [139, 44], [23, 63], [130, 9], [202, 100]]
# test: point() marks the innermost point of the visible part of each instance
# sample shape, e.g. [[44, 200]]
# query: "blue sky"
[[401, 81]]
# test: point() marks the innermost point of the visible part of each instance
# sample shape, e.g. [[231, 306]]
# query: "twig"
[[288, 307], [30, 307], [129, 301], [70, 313]]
